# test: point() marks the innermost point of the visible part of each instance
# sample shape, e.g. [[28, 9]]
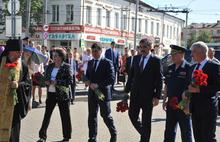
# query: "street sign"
[[45, 35], [45, 28], [17, 6], [18, 28]]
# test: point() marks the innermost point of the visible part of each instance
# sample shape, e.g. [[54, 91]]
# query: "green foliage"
[[203, 35]]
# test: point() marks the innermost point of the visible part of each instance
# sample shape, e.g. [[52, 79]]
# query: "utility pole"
[[136, 16], [28, 15], [44, 21], [13, 20]]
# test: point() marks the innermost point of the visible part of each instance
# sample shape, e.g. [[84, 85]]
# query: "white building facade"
[[79, 23]]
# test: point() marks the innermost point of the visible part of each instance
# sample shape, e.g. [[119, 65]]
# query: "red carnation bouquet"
[[199, 79], [173, 103], [122, 106], [80, 75]]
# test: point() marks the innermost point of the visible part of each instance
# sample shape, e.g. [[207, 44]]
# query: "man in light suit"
[[113, 55], [204, 101], [100, 75], [145, 84]]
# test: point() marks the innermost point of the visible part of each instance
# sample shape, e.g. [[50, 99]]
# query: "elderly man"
[[16, 104], [204, 102], [145, 84], [211, 55]]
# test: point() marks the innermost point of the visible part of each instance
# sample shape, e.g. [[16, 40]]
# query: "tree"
[[205, 36], [36, 15]]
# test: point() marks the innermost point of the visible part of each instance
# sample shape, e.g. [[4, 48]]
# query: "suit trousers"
[[64, 112], [72, 91], [204, 125], [15, 132], [172, 118], [105, 110], [143, 126]]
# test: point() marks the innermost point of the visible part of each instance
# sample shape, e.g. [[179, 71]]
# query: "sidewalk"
[[79, 112]]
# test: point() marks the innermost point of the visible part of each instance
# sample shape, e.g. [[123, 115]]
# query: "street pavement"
[[79, 112]]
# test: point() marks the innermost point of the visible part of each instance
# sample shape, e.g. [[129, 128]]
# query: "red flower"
[[173, 103], [199, 78], [11, 65], [122, 106]]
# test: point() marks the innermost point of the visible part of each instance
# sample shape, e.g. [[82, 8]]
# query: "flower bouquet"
[[173, 103], [12, 77], [122, 106], [199, 79]]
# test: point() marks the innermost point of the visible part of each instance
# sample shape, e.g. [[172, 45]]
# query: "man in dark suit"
[[100, 75], [113, 55], [145, 84], [204, 102], [72, 63], [129, 61]]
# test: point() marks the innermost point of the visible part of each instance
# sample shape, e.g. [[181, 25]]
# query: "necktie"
[[70, 61], [95, 64], [197, 66], [142, 64]]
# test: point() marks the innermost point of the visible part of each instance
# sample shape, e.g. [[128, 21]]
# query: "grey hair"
[[147, 41], [200, 45]]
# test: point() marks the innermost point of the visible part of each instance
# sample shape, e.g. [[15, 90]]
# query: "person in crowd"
[[211, 55], [129, 61], [38, 70], [2, 48], [113, 55], [86, 58], [47, 54], [204, 101], [58, 78], [22, 84], [72, 63], [25, 41], [145, 84], [100, 75], [176, 82]]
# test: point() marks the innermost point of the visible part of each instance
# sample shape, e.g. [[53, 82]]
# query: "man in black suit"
[[113, 55], [72, 63], [100, 75], [129, 61], [145, 84], [204, 102]]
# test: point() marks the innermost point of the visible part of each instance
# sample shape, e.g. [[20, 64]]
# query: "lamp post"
[[136, 16]]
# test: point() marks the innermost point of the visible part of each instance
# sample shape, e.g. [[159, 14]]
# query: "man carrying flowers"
[[176, 82], [204, 100], [15, 91], [100, 76]]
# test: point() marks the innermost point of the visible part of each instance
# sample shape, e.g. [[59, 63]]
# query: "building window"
[[124, 22], [164, 30], [146, 26], [174, 32], [152, 27], [218, 31], [107, 18], [55, 13], [99, 16], [158, 29], [168, 31], [140, 25], [171, 32], [117, 20], [133, 24], [88, 14], [69, 13]]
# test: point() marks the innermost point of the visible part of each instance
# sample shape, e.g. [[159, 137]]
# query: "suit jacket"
[[73, 69], [128, 64], [115, 59], [104, 76], [63, 78], [206, 100], [148, 84]]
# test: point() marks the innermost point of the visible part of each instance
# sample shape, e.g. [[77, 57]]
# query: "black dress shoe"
[[113, 139], [41, 140], [65, 140]]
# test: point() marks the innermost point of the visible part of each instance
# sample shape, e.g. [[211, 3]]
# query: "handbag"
[[62, 92]]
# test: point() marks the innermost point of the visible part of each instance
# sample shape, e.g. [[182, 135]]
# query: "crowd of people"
[[141, 72]]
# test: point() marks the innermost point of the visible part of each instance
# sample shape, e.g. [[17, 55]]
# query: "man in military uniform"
[[176, 82]]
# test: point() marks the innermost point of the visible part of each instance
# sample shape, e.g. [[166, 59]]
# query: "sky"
[[202, 11]]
